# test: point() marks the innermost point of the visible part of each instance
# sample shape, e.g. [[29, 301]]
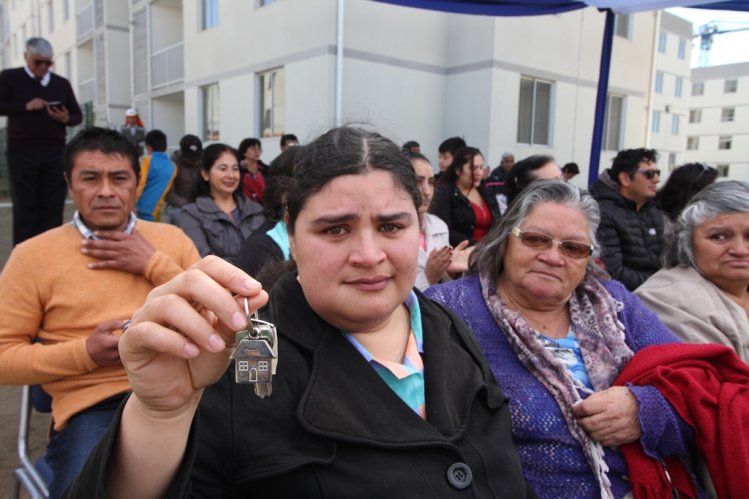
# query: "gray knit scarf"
[[599, 332]]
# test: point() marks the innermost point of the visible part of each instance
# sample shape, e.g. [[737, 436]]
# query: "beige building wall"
[[723, 117]]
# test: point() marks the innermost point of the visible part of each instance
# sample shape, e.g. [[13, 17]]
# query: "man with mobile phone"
[[39, 105]]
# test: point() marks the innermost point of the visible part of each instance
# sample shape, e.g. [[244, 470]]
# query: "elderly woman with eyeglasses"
[[556, 335], [702, 293]]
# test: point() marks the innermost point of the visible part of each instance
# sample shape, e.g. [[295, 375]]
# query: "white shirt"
[[45, 79]]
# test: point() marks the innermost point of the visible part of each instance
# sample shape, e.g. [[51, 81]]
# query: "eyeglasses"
[[539, 241], [649, 174], [42, 62]]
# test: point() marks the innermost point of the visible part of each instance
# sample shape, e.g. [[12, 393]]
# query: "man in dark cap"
[[187, 160]]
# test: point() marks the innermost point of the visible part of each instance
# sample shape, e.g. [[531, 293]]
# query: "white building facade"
[[718, 128], [669, 96], [259, 68]]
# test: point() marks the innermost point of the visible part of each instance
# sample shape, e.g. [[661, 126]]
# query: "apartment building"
[[669, 96], [239, 68], [717, 132]]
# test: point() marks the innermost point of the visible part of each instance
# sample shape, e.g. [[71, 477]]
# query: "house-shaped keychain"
[[253, 360]]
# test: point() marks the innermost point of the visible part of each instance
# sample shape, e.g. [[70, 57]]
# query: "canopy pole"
[[339, 66], [603, 85]]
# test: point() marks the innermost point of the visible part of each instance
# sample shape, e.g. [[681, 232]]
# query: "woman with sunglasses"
[[556, 334]]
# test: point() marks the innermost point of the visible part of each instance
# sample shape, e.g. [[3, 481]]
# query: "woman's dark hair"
[[523, 173], [279, 181], [210, 156], [460, 158], [246, 144], [347, 151], [683, 183]]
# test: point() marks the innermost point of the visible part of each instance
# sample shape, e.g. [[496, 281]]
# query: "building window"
[[675, 125], [682, 53], [65, 10], [263, 3], [671, 161], [272, 101], [730, 86], [662, 42], [613, 123], [211, 112], [722, 169], [695, 115], [209, 18], [655, 127], [727, 114], [693, 143], [659, 82], [724, 142], [622, 25], [67, 65], [677, 86], [534, 111], [698, 88]]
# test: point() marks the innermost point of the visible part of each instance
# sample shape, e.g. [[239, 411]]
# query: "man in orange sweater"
[[67, 293]]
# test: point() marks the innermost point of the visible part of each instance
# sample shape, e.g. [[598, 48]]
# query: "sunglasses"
[[650, 174], [42, 62], [539, 241]]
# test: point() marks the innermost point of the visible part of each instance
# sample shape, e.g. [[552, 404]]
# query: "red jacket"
[[708, 385]]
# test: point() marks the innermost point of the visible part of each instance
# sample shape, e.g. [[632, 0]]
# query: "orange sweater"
[[49, 294]]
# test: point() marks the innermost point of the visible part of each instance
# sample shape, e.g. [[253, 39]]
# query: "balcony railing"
[[87, 90], [85, 22], [167, 65]]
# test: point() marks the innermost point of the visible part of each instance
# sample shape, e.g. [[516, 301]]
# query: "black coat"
[[333, 428], [630, 240], [455, 210]]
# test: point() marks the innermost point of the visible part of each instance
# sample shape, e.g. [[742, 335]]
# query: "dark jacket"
[[333, 428], [630, 240], [261, 257], [214, 232], [184, 183], [35, 130], [604, 186], [455, 210]]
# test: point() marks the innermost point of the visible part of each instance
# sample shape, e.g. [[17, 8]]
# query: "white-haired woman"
[[702, 294]]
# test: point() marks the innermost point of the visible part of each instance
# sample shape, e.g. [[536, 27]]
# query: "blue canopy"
[[541, 7]]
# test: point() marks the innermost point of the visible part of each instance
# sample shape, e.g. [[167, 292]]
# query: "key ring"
[[250, 319]]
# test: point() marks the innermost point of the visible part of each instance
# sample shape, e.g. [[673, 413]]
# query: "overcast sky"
[[727, 48]]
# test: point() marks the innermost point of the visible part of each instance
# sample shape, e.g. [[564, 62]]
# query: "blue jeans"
[[69, 448]]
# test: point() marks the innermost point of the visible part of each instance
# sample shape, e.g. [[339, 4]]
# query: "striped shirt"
[[89, 234]]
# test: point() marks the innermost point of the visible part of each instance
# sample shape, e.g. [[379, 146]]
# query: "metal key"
[[256, 354]]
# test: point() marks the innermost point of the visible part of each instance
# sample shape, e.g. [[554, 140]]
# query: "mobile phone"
[[55, 104]]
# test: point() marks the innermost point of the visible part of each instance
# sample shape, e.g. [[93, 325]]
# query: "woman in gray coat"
[[219, 218]]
